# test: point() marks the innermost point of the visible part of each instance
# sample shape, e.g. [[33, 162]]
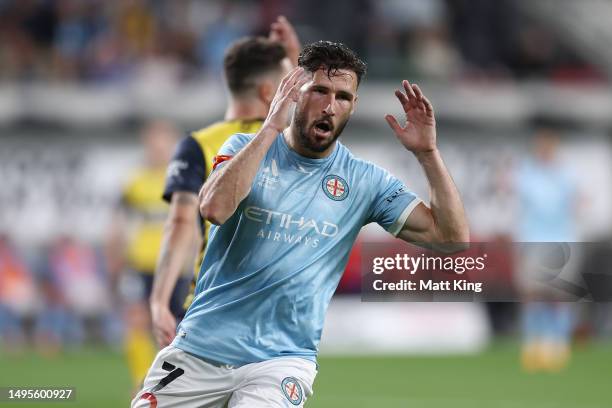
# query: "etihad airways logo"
[[288, 228]]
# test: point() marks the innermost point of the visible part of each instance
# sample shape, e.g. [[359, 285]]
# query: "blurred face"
[[324, 107], [159, 138], [546, 145]]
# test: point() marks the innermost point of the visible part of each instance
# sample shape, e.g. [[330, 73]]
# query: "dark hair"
[[249, 57], [332, 57]]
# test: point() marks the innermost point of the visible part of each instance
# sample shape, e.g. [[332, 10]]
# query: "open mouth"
[[323, 127]]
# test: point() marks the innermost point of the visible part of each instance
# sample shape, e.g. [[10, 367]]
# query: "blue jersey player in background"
[[287, 204]]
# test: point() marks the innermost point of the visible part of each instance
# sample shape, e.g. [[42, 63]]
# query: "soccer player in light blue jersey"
[[287, 204]]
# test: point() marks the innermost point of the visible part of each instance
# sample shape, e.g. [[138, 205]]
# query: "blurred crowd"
[[112, 41], [54, 298]]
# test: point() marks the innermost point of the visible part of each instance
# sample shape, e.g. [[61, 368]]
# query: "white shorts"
[[179, 379]]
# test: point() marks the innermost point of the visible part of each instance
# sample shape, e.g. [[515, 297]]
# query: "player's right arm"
[[181, 234], [231, 183]]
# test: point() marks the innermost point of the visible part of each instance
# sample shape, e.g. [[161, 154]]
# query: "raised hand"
[[419, 133], [286, 94], [283, 32]]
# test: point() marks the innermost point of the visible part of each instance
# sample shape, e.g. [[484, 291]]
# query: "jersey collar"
[[307, 160]]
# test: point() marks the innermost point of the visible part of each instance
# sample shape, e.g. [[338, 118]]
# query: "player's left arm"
[[444, 221], [115, 241]]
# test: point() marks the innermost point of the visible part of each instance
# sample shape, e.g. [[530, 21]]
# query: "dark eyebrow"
[[319, 87], [345, 94]]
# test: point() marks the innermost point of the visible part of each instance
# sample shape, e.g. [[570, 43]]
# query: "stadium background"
[[79, 78]]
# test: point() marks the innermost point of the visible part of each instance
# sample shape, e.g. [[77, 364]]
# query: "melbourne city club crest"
[[292, 390], [335, 187]]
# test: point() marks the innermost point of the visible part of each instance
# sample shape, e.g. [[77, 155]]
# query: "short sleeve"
[[231, 147], [187, 169], [392, 203]]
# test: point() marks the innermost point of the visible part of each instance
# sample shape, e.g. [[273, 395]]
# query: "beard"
[[304, 132]]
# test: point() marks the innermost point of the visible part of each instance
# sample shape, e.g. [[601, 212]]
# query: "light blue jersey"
[[271, 269], [547, 195]]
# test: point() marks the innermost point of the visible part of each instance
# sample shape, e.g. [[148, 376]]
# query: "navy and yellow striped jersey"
[[146, 217], [193, 162]]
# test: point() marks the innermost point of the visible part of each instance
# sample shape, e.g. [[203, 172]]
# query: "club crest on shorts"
[[335, 187], [292, 390]]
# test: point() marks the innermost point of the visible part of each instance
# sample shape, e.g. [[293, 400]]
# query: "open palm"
[[419, 133]]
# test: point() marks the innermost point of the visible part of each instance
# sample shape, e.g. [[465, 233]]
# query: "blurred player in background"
[[548, 205], [134, 241], [253, 68], [288, 203]]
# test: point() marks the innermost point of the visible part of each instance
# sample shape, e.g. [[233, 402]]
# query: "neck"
[[292, 139], [156, 165], [241, 109]]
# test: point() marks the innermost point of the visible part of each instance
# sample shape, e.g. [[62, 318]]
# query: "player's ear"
[[266, 91], [354, 104]]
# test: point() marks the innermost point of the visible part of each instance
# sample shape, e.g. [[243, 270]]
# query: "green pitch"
[[490, 380]]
